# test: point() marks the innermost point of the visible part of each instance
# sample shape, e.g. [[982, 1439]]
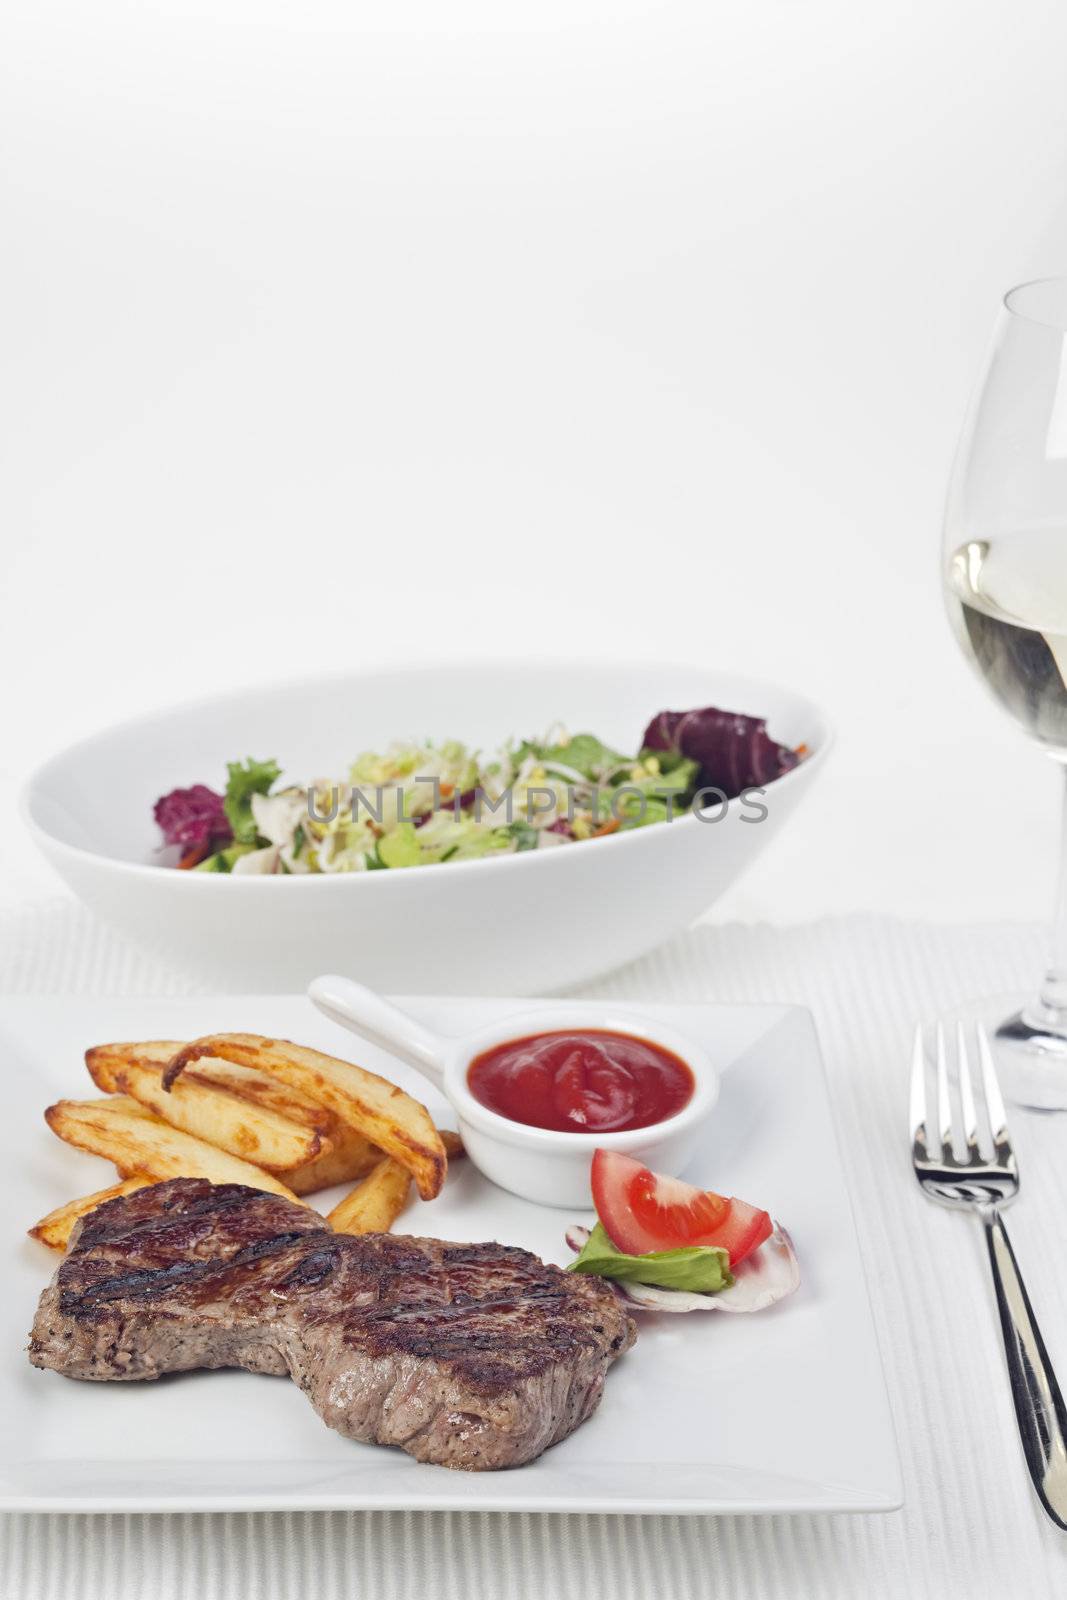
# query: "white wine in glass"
[[1008, 599], [1005, 581]]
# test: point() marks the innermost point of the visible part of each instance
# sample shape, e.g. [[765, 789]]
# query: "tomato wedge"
[[643, 1210]]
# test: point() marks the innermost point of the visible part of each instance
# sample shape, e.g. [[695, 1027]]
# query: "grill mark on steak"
[[152, 1281], [460, 1306], [472, 1356], [313, 1268]]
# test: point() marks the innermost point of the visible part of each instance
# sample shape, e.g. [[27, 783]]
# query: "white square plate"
[[783, 1411]]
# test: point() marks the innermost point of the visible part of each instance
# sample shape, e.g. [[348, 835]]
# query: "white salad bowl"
[[515, 924], [539, 1164]]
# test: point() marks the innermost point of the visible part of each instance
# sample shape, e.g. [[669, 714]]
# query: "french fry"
[[55, 1229], [454, 1146], [390, 1118], [122, 1131], [373, 1205], [209, 1111]]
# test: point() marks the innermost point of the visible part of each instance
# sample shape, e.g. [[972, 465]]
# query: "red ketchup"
[[581, 1081]]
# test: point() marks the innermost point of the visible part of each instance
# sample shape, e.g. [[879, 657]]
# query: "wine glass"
[[1005, 582]]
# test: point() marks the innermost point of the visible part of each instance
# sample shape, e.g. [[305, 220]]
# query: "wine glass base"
[[1030, 1050]]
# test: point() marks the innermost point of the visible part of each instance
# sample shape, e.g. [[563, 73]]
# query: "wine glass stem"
[[1053, 996]]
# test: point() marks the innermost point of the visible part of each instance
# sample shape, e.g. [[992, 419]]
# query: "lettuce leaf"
[[245, 780], [223, 860], [700, 1268], [524, 835], [637, 801], [583, 752], [400, 848]]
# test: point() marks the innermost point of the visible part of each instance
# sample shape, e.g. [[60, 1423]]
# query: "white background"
[[349, 333]]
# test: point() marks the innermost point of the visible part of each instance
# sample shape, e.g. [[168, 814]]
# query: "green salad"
[[418, 804]]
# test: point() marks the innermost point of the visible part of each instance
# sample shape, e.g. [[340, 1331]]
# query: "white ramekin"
[[540, 1164]]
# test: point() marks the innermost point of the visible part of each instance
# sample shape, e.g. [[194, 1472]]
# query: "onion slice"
[[768, 1275], [258, 862]]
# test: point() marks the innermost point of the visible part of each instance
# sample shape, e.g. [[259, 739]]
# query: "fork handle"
[[1039, 1408]]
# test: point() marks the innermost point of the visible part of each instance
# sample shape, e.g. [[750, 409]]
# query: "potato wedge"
[[260, 1090], [122, 1131], [373, 1205], [209, 1111], [352, 1158], [55, 1229], [388, 1116], [349, 1157], [104, 1061]]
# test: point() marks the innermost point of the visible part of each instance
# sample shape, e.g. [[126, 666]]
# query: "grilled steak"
[[468, 1355]]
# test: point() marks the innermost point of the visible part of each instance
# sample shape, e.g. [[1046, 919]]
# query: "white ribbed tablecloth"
[[969, 1525]]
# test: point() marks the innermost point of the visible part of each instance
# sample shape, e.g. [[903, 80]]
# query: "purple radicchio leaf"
[[734, 751], [193, 818]]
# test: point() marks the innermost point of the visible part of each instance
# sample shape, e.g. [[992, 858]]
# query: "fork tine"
[[944, 1104], [917, 1101], [970, 1117], [998, 1122]]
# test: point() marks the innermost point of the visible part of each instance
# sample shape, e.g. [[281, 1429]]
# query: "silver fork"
[[983, 1184]]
